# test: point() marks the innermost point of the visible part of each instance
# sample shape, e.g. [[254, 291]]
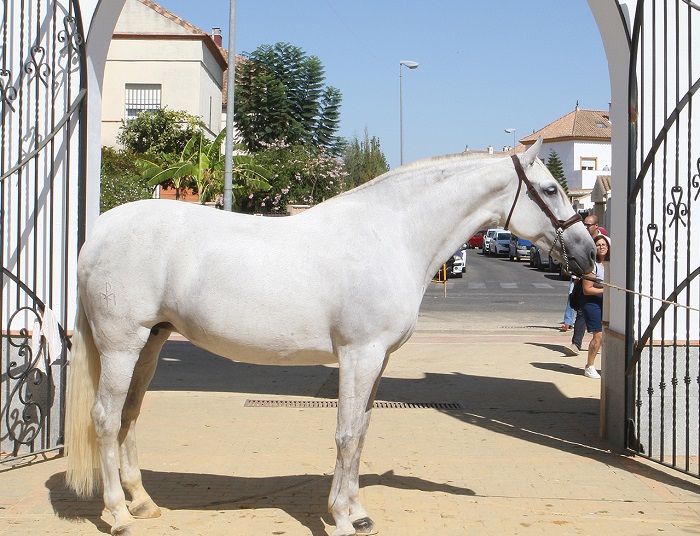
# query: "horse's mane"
[[418, 165]]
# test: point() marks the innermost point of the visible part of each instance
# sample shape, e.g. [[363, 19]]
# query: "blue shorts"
[[592, 308]]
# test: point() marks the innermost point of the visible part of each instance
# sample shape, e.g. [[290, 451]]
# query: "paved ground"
[[522, 457]]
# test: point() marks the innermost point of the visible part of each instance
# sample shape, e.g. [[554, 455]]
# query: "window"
[[140, 97], [589, 164]]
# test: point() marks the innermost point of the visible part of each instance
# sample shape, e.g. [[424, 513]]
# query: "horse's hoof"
[[124, 530], [144, 510], [364, 525]]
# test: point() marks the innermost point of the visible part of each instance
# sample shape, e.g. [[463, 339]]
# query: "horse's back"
[[285, 290]]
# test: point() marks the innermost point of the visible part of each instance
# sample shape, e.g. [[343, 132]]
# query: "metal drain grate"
[[334, 404]]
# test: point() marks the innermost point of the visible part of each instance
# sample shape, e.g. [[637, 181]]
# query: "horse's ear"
[[529, 156]]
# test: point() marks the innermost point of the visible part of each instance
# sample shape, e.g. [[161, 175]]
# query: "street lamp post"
[[511, 131], [231, 74], [411, 65]]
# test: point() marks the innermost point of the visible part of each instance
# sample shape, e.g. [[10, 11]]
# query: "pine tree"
[[280, 95], [557, 169]]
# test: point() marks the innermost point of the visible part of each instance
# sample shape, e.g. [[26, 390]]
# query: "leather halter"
[[559, 225]]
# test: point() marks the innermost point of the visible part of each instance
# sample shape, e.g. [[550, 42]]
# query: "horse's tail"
[[83, 473]]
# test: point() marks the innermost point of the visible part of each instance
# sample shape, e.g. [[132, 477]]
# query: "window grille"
[[141, 97]]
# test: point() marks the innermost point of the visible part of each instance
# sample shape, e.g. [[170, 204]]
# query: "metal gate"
[[42, 173], [663, 238]]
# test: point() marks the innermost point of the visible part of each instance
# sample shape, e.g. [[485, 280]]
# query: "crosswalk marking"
[[510, 286], [542, 285]]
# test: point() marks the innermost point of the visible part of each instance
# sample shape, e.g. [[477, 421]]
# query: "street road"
[[498, 287]]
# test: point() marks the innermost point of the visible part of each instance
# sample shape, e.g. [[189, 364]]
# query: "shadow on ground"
[[195, 491], [534, 411]]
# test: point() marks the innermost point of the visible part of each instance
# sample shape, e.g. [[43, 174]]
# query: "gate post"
[[612, 18]]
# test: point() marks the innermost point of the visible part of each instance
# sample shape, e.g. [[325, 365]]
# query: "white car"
[[500, 243], [488, 238], [457, 264]]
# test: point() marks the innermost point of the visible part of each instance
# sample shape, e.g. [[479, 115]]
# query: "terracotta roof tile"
[[579, 124]]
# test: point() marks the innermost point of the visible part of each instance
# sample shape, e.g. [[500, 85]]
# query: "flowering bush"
[[302, 175]]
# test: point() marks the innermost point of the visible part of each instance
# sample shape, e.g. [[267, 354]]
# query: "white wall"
[[103, 17], [190, 76], [188, 82], [616, 48], [570, 153]]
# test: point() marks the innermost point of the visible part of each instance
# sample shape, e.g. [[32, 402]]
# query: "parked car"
[[488, 237], [500, 243], [477, 241], [543, 261], [519, 248], [539, 259], [556, 267], [456, 264]]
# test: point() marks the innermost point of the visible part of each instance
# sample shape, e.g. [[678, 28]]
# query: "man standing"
[[591, 223]]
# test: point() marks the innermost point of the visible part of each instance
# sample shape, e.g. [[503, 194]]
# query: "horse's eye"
[[550, 190]]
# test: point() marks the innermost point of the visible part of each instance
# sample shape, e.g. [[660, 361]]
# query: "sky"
[[484, 66]]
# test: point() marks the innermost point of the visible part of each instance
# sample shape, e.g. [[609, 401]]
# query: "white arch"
[[102, 16], [613, 23], [613, 20]]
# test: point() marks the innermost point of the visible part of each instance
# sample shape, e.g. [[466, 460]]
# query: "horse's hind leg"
[[115, 378], [360, 371], [141, 506]]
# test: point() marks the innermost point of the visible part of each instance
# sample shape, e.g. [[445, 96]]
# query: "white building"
[[582, 140], [155, 60]]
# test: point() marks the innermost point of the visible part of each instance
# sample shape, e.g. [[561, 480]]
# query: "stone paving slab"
[[522, 456]]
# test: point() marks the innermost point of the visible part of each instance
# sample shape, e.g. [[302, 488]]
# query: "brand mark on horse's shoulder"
[[108, 295]]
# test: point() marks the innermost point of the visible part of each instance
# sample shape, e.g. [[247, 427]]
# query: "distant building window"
[[589, 164], [140, 97]]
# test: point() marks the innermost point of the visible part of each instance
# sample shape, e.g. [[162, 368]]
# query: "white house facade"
[[582, 141], [156, 60]]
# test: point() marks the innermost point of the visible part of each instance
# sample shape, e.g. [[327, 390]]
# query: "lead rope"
[[560, 237], [610, 285]]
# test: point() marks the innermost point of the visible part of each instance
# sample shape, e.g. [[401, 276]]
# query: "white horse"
[[356, 268]]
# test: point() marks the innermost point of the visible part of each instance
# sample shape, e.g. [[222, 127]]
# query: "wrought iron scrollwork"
[[70, 34], [7, 91], [655, 243], [695, 181], [31, 392], [37, 66], [677, 209]]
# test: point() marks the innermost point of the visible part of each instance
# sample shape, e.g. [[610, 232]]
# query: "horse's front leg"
[[360, 371]]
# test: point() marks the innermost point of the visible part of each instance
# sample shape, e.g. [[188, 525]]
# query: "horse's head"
[[542, 214]]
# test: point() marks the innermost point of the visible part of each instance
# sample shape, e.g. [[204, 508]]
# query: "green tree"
[[120, 180], [201, 166], [302, 174], [557, 169], [364, 160], [280, 95], [161, 131]]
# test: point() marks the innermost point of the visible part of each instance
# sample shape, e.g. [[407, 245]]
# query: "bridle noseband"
[[559, 225]]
